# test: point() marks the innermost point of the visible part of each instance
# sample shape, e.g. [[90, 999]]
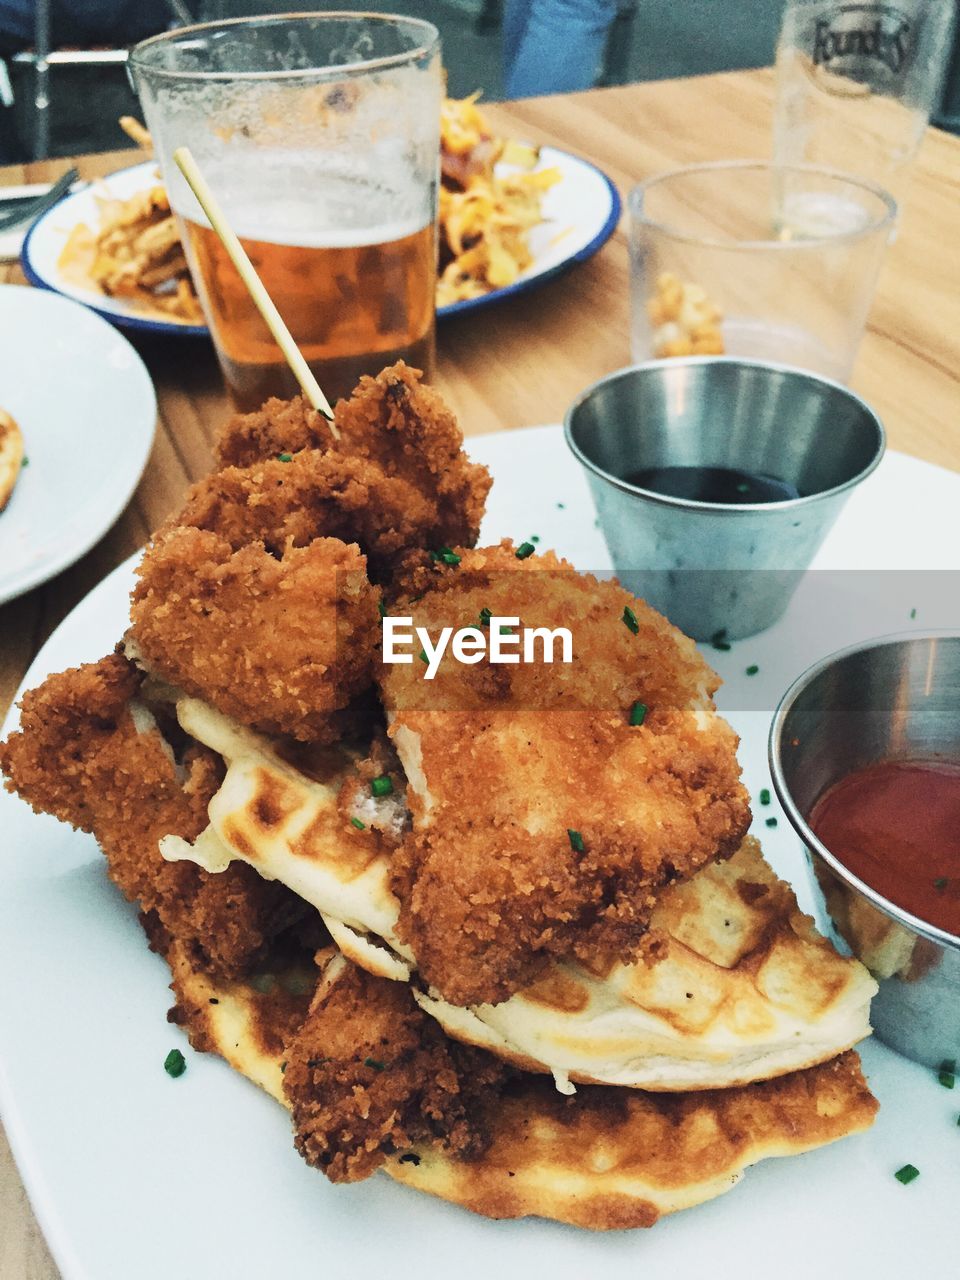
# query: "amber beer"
[[352, 307]]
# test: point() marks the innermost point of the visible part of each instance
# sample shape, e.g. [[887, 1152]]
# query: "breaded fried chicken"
[[410, 433], [551, 802], [396, 479], [90, 753], [369, 1074], [315, 495], [280, 426], [283, 644]]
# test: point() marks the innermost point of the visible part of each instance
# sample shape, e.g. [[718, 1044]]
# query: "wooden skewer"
[[262, 300]]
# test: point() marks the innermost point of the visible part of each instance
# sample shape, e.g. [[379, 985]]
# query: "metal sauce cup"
[[893, 698], [706, 565]]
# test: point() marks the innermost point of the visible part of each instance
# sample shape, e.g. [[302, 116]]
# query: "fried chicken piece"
[[280, 426], [90, 753], [282, 644], [369, 1074], [315, 495], [408, 430], [396, 479], [545, 821]]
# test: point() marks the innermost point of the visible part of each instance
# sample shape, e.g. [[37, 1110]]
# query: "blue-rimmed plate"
[[580, 214], [44, 245]]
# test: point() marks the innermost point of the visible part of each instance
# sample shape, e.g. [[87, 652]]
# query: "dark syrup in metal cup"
[[720, 565]]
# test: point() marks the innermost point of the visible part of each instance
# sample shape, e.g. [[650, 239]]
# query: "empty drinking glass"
[[743, 258], [856, 83]]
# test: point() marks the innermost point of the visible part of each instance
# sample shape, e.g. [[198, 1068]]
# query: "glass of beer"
[[319, 135]]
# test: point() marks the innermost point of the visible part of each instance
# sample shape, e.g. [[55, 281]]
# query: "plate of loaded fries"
[[476, 966], [510, 217]]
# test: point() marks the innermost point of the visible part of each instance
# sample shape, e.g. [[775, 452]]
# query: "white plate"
[[580, 215], [134, 1174], [87, 410]]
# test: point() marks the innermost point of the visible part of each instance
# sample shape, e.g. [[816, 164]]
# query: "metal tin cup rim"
[[741, 508], [931, 932], [140, 61], [885, 219]]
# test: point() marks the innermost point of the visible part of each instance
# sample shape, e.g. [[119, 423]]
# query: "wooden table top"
[[524, 362]]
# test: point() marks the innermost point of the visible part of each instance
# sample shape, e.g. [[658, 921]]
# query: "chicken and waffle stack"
[[501, 934]]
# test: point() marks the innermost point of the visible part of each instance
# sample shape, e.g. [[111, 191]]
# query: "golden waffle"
[[737, 985], [606, 1159]]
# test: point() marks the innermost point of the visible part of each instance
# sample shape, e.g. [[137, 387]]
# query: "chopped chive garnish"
[[913, 613], [958, 1122], [382, 786], [24, 462], [423, 656], [743, 487], [947, 1079], [445, 556], [525, 549], [630, 620], [375, 1063], [907, 1173], [949, 1064], [505, 630], [485, 616], [355, 822], [284, 457], [534, 537], [562, 506], [765, 796], [283, 1067], [752, 669], [381, 609], [637, 713], [174, 1064], [719, 637], [576, 840], [771, 822], [722, 646], [940, 883]]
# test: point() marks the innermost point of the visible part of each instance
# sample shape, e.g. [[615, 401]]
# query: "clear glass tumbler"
[[856, 83], [319, 134], [746, 259]]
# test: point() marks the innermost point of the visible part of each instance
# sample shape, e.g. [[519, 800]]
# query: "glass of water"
[[750, 259], [856, 83]]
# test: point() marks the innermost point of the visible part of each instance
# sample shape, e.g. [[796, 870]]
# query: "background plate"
[[87, 410], [580, 214], [132, 1173]]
